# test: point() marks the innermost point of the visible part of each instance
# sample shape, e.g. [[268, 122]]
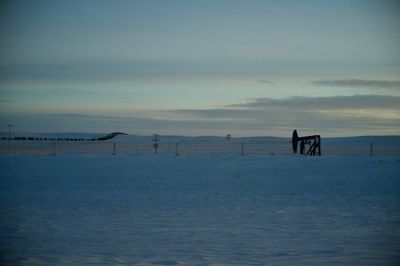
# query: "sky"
[[182, 67]]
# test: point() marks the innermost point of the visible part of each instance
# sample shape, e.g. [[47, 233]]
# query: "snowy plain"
[[199, 210], [56, 143]]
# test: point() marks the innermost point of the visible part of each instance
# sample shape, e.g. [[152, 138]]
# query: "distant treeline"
[[48, 139]]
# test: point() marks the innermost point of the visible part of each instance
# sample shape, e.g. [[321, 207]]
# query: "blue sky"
[[201, 67]]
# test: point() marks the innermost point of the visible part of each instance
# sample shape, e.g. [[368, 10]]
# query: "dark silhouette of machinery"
[[309, 145]]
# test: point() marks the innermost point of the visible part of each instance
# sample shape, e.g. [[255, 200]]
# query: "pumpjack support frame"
[[313, 143]]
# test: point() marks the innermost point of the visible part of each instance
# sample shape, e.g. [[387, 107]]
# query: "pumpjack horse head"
[[309, 145]]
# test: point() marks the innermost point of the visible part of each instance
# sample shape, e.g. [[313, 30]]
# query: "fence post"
[[242, 149], [371, 149], [114, 148], [177, 149], [54, 149]]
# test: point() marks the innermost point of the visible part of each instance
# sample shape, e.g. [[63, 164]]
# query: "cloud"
[[120, 70], [329, 116], [89, 71], [345, 115], [325, 103], [306, 109], [266, 81], [359, 83], [5, 101]]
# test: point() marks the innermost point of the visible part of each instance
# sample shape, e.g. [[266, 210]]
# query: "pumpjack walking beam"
[[312, 142]]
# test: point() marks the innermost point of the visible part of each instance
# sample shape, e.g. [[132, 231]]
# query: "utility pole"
[[9, 133], [156, 140]]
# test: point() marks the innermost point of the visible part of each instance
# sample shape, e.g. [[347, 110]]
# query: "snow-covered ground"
[[205, 145], [199, 210]]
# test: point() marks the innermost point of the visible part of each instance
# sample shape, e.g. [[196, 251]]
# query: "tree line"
[[47, 139]]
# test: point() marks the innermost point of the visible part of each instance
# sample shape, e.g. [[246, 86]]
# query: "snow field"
[[199, 210]]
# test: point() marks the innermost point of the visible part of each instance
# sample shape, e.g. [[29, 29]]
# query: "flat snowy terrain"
[[199, 210], [79, 143]]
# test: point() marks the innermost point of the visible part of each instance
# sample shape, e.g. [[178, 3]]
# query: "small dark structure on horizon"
[[111, 135], [156, 141], [313, 143]]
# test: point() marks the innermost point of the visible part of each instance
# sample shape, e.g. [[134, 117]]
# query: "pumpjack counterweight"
[[309, 145]]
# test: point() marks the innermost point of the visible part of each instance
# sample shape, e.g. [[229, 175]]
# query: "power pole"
[[156, 140], [9, 133]]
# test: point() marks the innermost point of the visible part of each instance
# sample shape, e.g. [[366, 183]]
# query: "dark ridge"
[[111, 135]]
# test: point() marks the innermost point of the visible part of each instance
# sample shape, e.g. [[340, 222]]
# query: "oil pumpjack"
[[309, 145]]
